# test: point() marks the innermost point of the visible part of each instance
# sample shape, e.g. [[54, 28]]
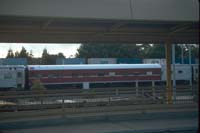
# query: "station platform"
[[127, 119]]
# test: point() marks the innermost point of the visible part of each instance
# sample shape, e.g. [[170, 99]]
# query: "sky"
[[37, 48]]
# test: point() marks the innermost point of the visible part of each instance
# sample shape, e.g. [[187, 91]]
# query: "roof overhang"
[[112, 21]]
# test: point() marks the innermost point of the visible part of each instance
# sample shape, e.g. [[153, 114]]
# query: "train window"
[[19, 74], [111, 73], [33, 75], [56, 75], [74, 75], [180, 71], [136, 73], [19, 85], [149, 73], [60, 75], [126, 74], [7, 76], [51, 76], [85, 74], [39, 75], [101, 74]]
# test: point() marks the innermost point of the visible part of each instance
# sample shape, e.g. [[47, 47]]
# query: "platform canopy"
[[115, 21]]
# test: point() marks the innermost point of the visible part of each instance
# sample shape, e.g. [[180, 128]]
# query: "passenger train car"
[[86, 76], [12, 76]]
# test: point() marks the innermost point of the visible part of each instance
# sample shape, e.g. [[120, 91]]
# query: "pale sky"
[[37, 48]]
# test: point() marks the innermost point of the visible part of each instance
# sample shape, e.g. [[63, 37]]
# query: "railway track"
[[50, 99]]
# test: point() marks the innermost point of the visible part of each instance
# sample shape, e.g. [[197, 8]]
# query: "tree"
[[48, 59], [156, 51], [195, 50], [37, 86], [100, 50], [23, 53], [31, 54], [30, 57], [10, 54], [16, 54], [45, 57], [144, 50], [61, 55]]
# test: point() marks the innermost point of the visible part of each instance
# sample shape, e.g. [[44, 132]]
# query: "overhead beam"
[[117, 26], [39, 37], [174, 10], [179, 28], [46, 24]]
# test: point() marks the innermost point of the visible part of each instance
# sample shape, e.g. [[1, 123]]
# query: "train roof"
[[92, 66], [12, 67]]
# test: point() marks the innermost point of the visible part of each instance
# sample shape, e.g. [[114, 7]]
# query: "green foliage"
[[154, 51], [100, 50], [16, 54], [107, 50], [23, 53], [48, 59], [37, 86], [10, 54]]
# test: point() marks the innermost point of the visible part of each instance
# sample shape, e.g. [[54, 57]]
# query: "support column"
[[137, 91], [168, 71], [174, 71], [182, 60], [153, 90], [190, 63]]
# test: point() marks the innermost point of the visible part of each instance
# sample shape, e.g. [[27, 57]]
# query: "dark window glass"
[[74, 75], [39, 75], [51, 76], [180, 71], [7, 76], [19, 74], [101, 74]]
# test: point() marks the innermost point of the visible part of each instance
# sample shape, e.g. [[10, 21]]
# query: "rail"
[[52, 99]]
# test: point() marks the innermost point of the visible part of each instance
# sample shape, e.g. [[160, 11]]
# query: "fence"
[[77, 98]]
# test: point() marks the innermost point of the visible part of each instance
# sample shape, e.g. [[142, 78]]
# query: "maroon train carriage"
[[98, 73]]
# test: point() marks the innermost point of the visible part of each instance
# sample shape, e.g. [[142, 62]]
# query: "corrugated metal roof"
[[18, 67]]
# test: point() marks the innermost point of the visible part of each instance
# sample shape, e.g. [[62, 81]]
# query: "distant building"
[[65, 61], [102, 61], [163, 61], [196, 61], [13, 61], [185, 61], [155, 61], [129, 61]]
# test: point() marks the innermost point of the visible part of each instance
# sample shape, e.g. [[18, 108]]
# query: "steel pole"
[[174, 71], [190, 64], [182, 60], [168, 71]]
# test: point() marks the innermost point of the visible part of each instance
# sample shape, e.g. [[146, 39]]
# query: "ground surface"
[[112, 127]]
